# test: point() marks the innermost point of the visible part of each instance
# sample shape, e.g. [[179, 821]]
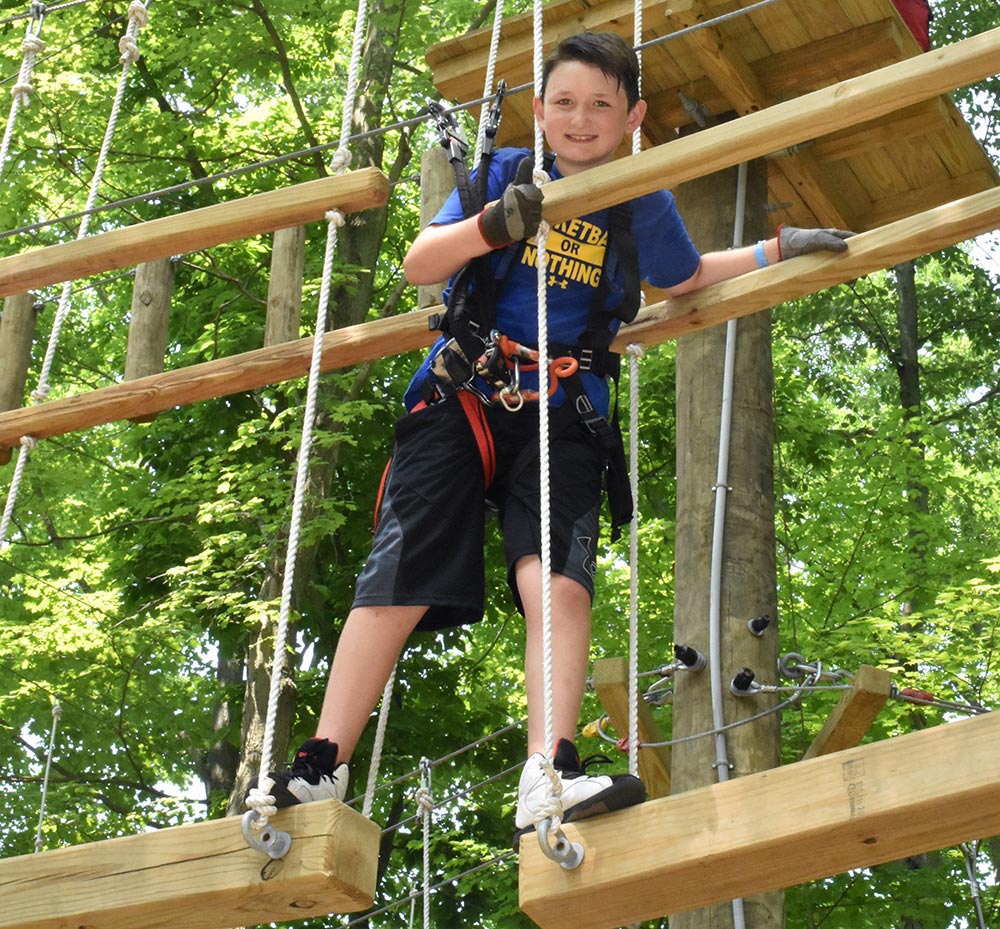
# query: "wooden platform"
[[858, 177], [201, 876], [850, 809]]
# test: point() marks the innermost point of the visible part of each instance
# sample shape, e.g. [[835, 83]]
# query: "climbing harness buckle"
[[273, 842], [452, 137], [569, 854], [493, 116]]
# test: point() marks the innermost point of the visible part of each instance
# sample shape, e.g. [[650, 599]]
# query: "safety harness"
[[476, 349]]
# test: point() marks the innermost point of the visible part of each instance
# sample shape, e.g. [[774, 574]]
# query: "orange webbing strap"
[[480, 430]]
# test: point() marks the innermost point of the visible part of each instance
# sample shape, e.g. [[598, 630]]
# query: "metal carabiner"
[[513, 389]]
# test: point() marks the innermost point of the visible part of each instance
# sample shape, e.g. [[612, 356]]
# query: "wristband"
[[758, 253]]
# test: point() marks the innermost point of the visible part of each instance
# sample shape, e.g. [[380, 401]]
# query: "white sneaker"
[[313, 775], [583, 794]]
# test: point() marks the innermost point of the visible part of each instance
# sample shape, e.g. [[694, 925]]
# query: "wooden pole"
[[870, 251], [437, 181], [852, 809], [747, 585], [17, 330], [147, 330], [196, 229], [284, 290]]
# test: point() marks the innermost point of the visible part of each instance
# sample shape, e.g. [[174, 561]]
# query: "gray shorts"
[[428, 546]]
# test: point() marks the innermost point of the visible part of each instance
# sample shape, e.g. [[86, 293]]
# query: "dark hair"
[[604, 50]]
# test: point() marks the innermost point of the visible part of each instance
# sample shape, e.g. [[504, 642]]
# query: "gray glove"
[[517, 213], [793, 241]]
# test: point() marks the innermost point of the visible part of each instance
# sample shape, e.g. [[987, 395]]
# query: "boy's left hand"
[[793, 242]]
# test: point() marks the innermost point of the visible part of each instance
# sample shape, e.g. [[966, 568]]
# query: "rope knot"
[[336, 217], [637, 349], [32, 45], [262, 803], [129, 49], [341, 160], [138, 14], [22, 92], [425, 800], [40, 393], [28, 442]]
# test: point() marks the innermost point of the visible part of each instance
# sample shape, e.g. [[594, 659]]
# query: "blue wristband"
[[758, 253]]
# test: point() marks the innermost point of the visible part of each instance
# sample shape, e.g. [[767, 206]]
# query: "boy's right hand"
[[516, 214]]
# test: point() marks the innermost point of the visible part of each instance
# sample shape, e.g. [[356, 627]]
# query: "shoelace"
[[595, 759]]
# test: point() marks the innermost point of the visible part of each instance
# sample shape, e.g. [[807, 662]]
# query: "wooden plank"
[[827, 110], [880, 248], [870, 251], [856, 808], [611, 686], [854, 713], [199, 876], [196, 229]]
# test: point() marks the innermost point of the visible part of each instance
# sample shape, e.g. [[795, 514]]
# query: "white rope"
[[373, 768], [257, 799], [137, 18], [32, 46], [635, 352], [56, 716], [425, 802], [491, 65], [539, 178]]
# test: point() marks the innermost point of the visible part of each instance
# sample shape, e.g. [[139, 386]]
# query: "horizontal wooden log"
[[870, 251], [199, 876], [815, 114], [851, 809], [196, 229]]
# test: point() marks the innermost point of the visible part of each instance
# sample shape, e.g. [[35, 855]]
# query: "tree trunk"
[[17, 330], [748, 549], [359, 242]]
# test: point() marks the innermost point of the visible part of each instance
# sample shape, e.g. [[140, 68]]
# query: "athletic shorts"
[[429, 539]]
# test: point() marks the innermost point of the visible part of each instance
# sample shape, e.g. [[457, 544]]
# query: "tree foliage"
[[143, 558]]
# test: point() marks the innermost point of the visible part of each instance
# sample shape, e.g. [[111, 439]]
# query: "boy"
[[435, 493]]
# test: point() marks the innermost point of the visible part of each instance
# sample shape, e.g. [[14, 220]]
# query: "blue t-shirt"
[[575, 259]]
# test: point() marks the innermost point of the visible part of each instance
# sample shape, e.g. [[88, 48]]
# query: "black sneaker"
[[313, 775], [583, 794]]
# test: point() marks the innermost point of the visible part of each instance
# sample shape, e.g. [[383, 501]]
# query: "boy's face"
[[584, 116]]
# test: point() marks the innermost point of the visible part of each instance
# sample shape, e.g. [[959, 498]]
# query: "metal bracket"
[[269, 840]]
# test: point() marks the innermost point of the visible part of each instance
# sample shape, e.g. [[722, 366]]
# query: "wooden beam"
[[853, 715], [852, 809], [611, 686], [196, 229], [785, 124], [200, 876], [871, 251]]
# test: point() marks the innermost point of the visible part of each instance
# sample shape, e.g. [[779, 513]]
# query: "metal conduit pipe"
[[718, 532]]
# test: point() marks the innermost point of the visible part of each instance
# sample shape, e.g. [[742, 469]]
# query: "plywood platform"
[[857, 178]]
